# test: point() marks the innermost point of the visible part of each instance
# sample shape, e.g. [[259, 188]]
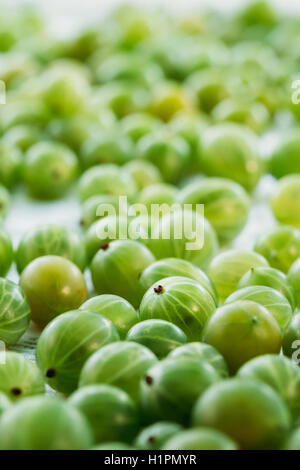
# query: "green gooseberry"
[[22, 136], [285, 202], [116, 309], [11, 160], [170, 389], [67, 342], [269, 277], [280, 373], [170, 154], [159, 193], [276, 304], [20, 377], [154, 437], [14, 312], [122, 364], [226, 204], [251, 328], [208, 87], [294, 279], [64, 88], [160, 336], [169, 99], [203, 352], [285, 158], [253, 115], [249, 412], [137, 125], [90, 208], [231, 151], [25, 110], [229, 267], [143, 173], [117, 266], [258, 12], [50, 240], [107, 147], [291, 339], [105, 179], [6, 253], [190, 127], [280, 246], [292, 442], [111, 413], [5, 200], [52, 285], [181, 301], [5, 403], [200, 438], [175, 267], [108, 229], [186, 235], [44, 423], [49, 170]]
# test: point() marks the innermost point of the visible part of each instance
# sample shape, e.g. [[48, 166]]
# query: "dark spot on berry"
[[16, 391], [159, 290], [151, 439], [149, 379], [254, 320], [50, 373], [82, 222], [105, 246]]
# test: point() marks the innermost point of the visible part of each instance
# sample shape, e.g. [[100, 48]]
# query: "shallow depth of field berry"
[[129, 318]]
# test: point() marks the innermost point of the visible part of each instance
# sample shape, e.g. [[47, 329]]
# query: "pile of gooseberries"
[[165, 314]]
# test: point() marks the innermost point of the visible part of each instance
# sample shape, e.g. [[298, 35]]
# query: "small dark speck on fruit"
[[149, 379], [105, 246], [158, 290], [50, 373], [16, 391]]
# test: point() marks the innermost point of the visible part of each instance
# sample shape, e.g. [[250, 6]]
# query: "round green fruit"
[[203, 352], [117, 266], [111, 413], [107, 147], [52, 285], [269, 277], [285, 157], [49, 170], [294, 280], [154, 437], [181, 301], [67, 342], [200, 439], [280, 373], [276, 304], [10, 164], [6, 253], [44, 423], [229, 267], [231, 151], [14, 312], [160, 336], [143, 173], [251, 328], [285, 202], [170, 154], [19, 377], [170, 388], [159, 193], [249, 412], [280, 247], [186, 235], [291, 339], [122, 364], [175, 267], [91, 208], [116, 309], [226, 204], [50, 240], [105, 179]]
